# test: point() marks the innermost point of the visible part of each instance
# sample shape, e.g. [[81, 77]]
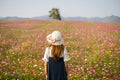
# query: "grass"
[[94, 49]]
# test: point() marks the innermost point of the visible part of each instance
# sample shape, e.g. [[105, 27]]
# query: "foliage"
[[55, 14], [94, 49]]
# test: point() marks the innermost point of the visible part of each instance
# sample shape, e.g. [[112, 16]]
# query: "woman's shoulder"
[[65, 50], [48, 48]]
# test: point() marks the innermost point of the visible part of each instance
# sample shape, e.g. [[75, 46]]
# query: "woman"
[[56, 58]]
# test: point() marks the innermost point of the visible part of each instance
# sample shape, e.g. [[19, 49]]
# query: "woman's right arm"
[[66, 67], [66, 59]]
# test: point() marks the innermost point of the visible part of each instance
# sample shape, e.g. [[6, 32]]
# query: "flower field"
[[94, 49]]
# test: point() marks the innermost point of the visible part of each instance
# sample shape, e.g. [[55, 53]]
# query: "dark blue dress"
[[56, 69]]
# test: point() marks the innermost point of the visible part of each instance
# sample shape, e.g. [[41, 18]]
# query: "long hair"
[[57, 51]]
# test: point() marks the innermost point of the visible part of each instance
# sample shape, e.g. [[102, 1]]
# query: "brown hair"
[[57, 51]]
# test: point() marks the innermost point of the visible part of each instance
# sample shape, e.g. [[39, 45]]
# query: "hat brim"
[[53, 42]]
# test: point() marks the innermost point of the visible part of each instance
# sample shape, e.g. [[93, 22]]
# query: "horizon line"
[[61, 16]]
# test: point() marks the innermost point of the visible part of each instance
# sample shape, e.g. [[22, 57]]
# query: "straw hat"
[[55, 38]]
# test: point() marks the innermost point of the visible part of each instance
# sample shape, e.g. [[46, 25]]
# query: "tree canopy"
[[54, 13]]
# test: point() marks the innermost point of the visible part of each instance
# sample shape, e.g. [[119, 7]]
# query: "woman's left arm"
[[45, 69]]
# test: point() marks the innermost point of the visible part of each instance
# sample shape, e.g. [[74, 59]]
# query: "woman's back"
[[55, 58], [56, 69]]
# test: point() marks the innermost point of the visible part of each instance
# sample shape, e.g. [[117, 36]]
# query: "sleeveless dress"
[[56, 69]]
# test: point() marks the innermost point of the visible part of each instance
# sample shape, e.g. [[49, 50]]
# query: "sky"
[[67, 8]]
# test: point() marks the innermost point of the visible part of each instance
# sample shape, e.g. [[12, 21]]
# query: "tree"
[[54, 13]]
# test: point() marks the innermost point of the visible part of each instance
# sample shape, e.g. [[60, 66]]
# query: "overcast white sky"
[[71, 8]]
